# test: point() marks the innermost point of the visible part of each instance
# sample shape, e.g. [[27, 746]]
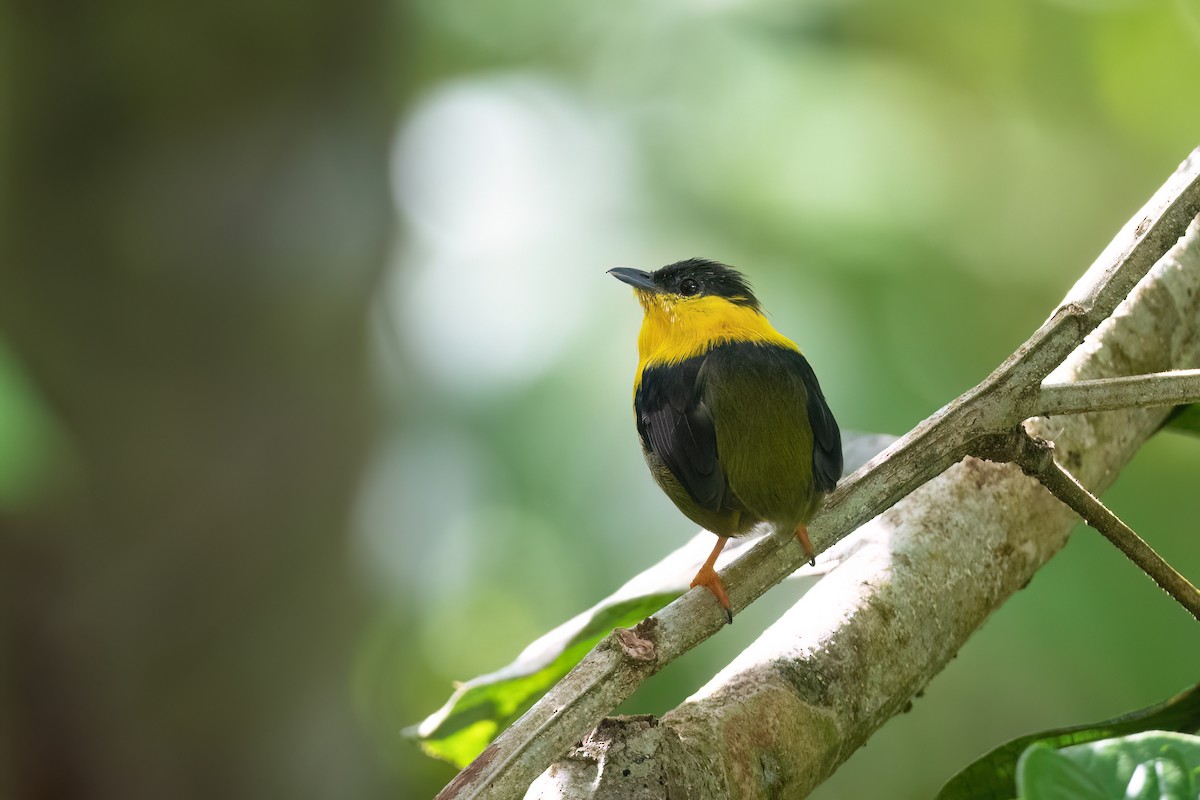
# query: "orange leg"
[[707, 576], [802, 536]]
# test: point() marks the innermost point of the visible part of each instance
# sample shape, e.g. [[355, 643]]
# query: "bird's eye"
[[688, 287]]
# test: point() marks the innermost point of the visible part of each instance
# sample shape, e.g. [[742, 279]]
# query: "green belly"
[[745, 407]]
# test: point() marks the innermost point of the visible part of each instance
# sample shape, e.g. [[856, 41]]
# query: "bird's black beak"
[[636, 278]]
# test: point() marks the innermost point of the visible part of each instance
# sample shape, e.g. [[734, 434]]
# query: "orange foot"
[[802, 537], [707, 576]]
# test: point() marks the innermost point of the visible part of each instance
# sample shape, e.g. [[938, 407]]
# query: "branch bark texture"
[[860, 644], [1107, 394]]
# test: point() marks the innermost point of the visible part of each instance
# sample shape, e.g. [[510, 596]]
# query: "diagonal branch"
[[610, 673], [1035, 457]]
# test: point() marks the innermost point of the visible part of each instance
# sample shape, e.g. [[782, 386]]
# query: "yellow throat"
[[676, 328]]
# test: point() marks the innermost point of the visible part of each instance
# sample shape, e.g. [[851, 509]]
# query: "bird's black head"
[[695, 277]]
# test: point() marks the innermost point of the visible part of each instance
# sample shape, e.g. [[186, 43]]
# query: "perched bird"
[[733, 424]]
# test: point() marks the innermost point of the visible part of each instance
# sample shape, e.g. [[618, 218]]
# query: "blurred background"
[[314, 395]]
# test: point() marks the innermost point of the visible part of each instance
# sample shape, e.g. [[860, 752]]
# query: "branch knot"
[[639, 643]]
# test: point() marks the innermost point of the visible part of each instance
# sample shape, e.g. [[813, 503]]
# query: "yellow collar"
[[676, 328]]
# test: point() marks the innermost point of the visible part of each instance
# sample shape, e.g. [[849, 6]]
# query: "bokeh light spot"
[[502, 182]]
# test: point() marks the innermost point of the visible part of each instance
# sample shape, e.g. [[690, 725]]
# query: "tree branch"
[[1035, 457], [1155, 390], [611, 672]]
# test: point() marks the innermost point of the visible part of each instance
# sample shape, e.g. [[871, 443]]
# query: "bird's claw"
[[708, 578]]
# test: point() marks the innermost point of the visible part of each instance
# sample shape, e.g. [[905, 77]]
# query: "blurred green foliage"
[[1186, 418], [271, 483]]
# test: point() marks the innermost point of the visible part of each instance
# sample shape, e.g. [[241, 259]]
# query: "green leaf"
[[484, 706], [1144, 766], [1185, 419], [993, 777], [1043, 773]]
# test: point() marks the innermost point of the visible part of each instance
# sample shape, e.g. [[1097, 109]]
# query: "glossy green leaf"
[[482, 707], [1044, 773], [993, 777], [1145, 766]]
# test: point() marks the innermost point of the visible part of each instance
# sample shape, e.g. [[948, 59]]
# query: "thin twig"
[[1004, 398], [1155, 390], [1035, 457], [1065, 487]]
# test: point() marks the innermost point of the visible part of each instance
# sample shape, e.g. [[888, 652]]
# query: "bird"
[[733, 424]]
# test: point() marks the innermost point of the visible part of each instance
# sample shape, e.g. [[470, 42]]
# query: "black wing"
[[827, 439], [676, 426]]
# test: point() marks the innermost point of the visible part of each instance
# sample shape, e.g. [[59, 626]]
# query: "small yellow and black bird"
[[732, 420]]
